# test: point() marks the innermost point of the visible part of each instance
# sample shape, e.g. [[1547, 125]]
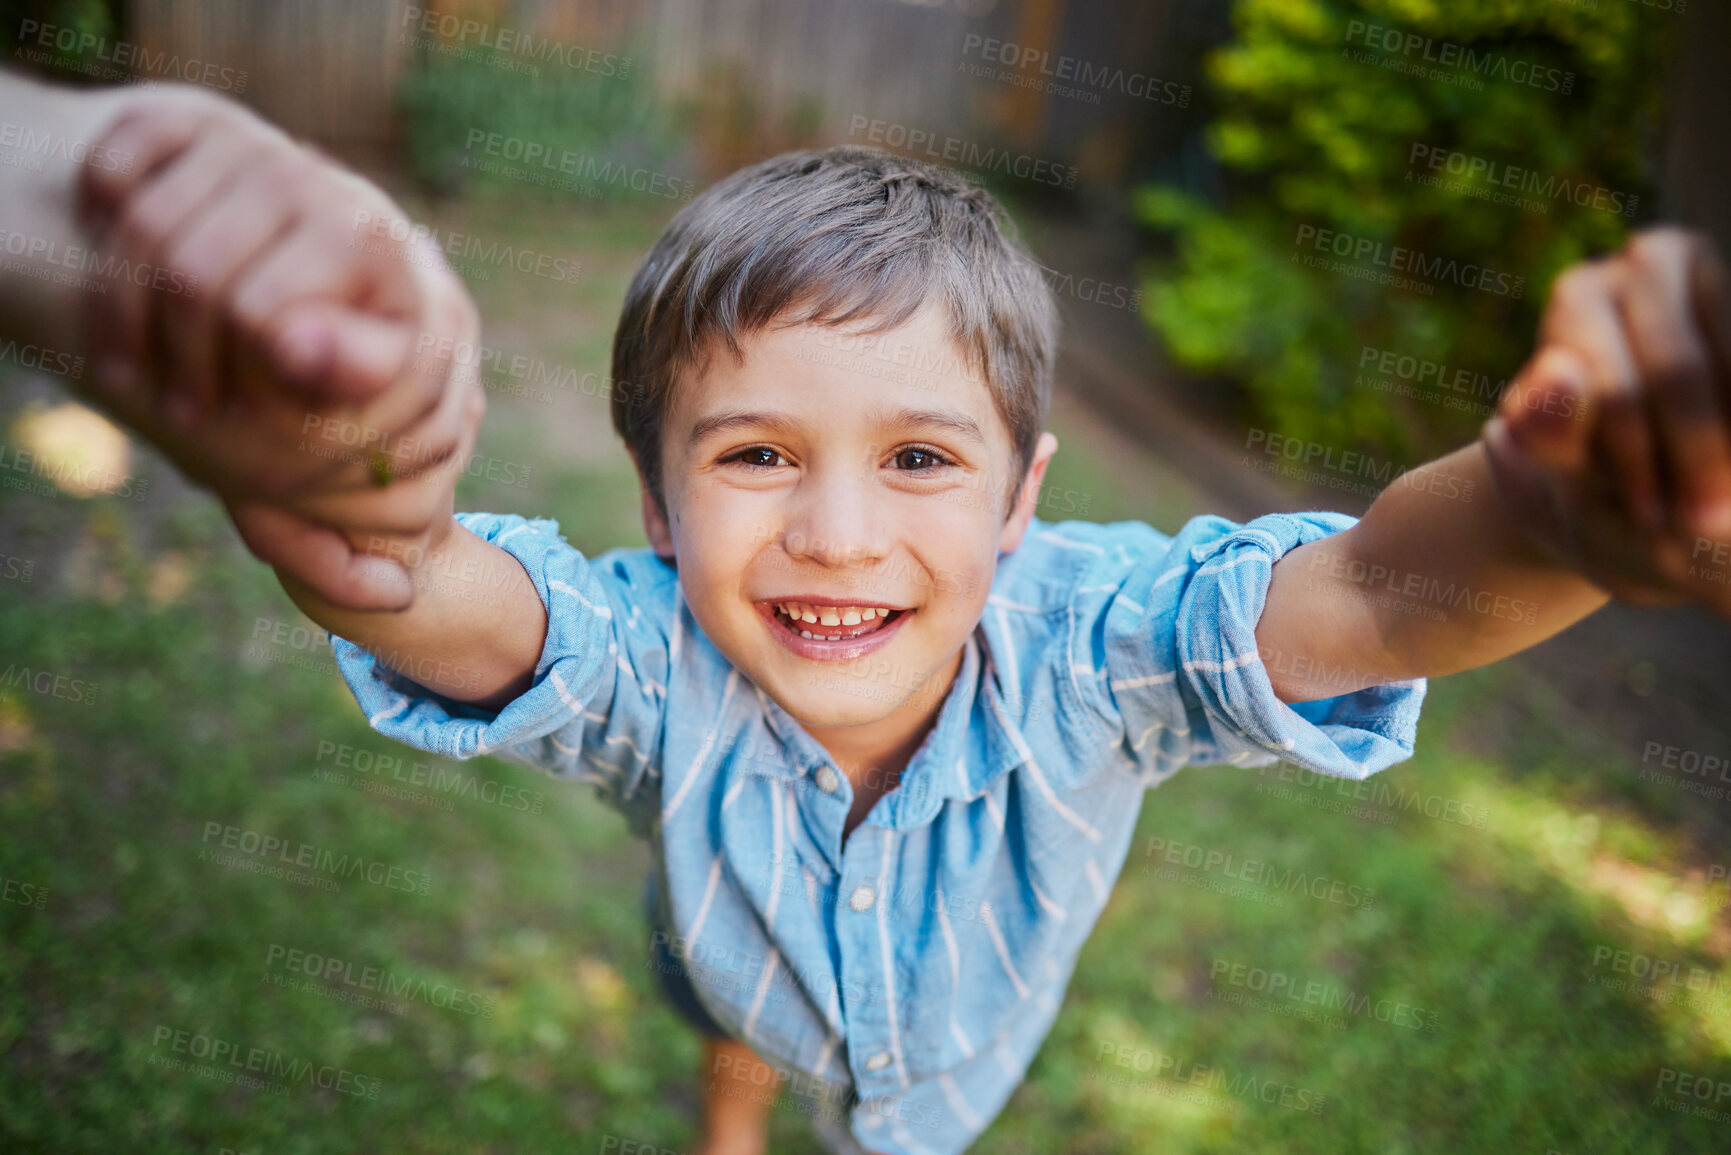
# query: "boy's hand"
[[1612, 448], [279, 353]]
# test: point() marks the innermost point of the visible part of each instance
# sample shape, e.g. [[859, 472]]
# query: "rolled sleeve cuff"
[[1349, 736], [578, 653]]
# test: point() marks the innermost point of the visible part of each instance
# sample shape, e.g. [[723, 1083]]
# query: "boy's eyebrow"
[[958, 423], [737, 418]]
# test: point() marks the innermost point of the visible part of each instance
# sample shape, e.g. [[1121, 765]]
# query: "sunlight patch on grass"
[[170, 577], [600, 985], [77, 448], [1574, 847], [1141, 1085], [1683, 973], [16, 732]]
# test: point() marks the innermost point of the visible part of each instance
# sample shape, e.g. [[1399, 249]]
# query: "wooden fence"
[[758, 75], [323, 69]]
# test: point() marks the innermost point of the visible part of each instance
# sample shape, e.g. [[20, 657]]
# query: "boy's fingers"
[[327, 450], [440, 362], [402, 509], [411, 509], [1677, 367], [366, 441], [444, 440], [412, 502], [322, 559]]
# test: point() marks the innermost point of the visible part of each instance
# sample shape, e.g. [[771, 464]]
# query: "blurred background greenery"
[[211, 700], [1306, 133]]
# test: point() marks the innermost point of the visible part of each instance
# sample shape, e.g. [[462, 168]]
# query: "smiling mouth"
[[822, 623]]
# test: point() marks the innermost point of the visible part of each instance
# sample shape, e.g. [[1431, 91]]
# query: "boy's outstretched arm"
[[1434, 579], [1617, 433], [474, 632]]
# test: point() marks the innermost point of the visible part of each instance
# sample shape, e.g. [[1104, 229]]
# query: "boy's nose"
[[835, 521]]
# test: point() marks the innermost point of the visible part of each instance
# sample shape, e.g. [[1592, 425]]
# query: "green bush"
[[1318, 122]]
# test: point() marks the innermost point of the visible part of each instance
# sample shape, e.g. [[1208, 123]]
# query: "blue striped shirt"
[[906, 978]]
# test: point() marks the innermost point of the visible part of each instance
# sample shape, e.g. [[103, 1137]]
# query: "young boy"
[[888, 732]]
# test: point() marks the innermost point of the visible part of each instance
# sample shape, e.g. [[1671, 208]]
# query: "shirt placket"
[[863, 985], [868, 988]]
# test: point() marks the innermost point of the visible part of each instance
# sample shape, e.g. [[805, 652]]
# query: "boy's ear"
[[655, 525], [1011, 535]]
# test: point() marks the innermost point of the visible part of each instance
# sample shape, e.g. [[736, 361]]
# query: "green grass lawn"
[[528, 1021]]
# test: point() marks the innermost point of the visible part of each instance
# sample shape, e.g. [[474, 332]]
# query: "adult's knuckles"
[[1582, 287], [202, 258], [106, 186], [1664, 248], [148, 129], [1624, 413], [1679, 377], [253, 309], [281, 171], [144, 221]]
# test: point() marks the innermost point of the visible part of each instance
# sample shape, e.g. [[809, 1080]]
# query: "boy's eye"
[[761, 456], [919, 459]]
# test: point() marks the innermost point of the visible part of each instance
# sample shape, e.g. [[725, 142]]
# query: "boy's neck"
[[874, 755]]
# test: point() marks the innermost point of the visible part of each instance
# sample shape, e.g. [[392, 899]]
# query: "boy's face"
[[860, 480]]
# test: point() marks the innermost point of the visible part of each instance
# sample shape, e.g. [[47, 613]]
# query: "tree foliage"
[[1328, 112]]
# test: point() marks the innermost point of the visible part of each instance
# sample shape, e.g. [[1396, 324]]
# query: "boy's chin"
[[828, 706]]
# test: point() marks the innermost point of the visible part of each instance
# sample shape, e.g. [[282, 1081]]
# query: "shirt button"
[[827, 781], [862, 900], [878, 1061]]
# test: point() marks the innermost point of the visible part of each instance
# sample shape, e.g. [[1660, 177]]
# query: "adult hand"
[[1612, 447], [276, 325]]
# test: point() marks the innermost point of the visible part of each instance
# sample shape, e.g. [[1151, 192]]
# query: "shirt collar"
[[962, 757]]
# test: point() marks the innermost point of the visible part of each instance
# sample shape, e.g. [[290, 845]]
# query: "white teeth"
[[805, 633], [831, 615]]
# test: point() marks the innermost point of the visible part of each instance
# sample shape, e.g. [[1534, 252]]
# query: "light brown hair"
[[837, 236]]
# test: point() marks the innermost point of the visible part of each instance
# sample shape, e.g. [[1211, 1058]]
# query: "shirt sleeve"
[[595, 710], [1170, 628]]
